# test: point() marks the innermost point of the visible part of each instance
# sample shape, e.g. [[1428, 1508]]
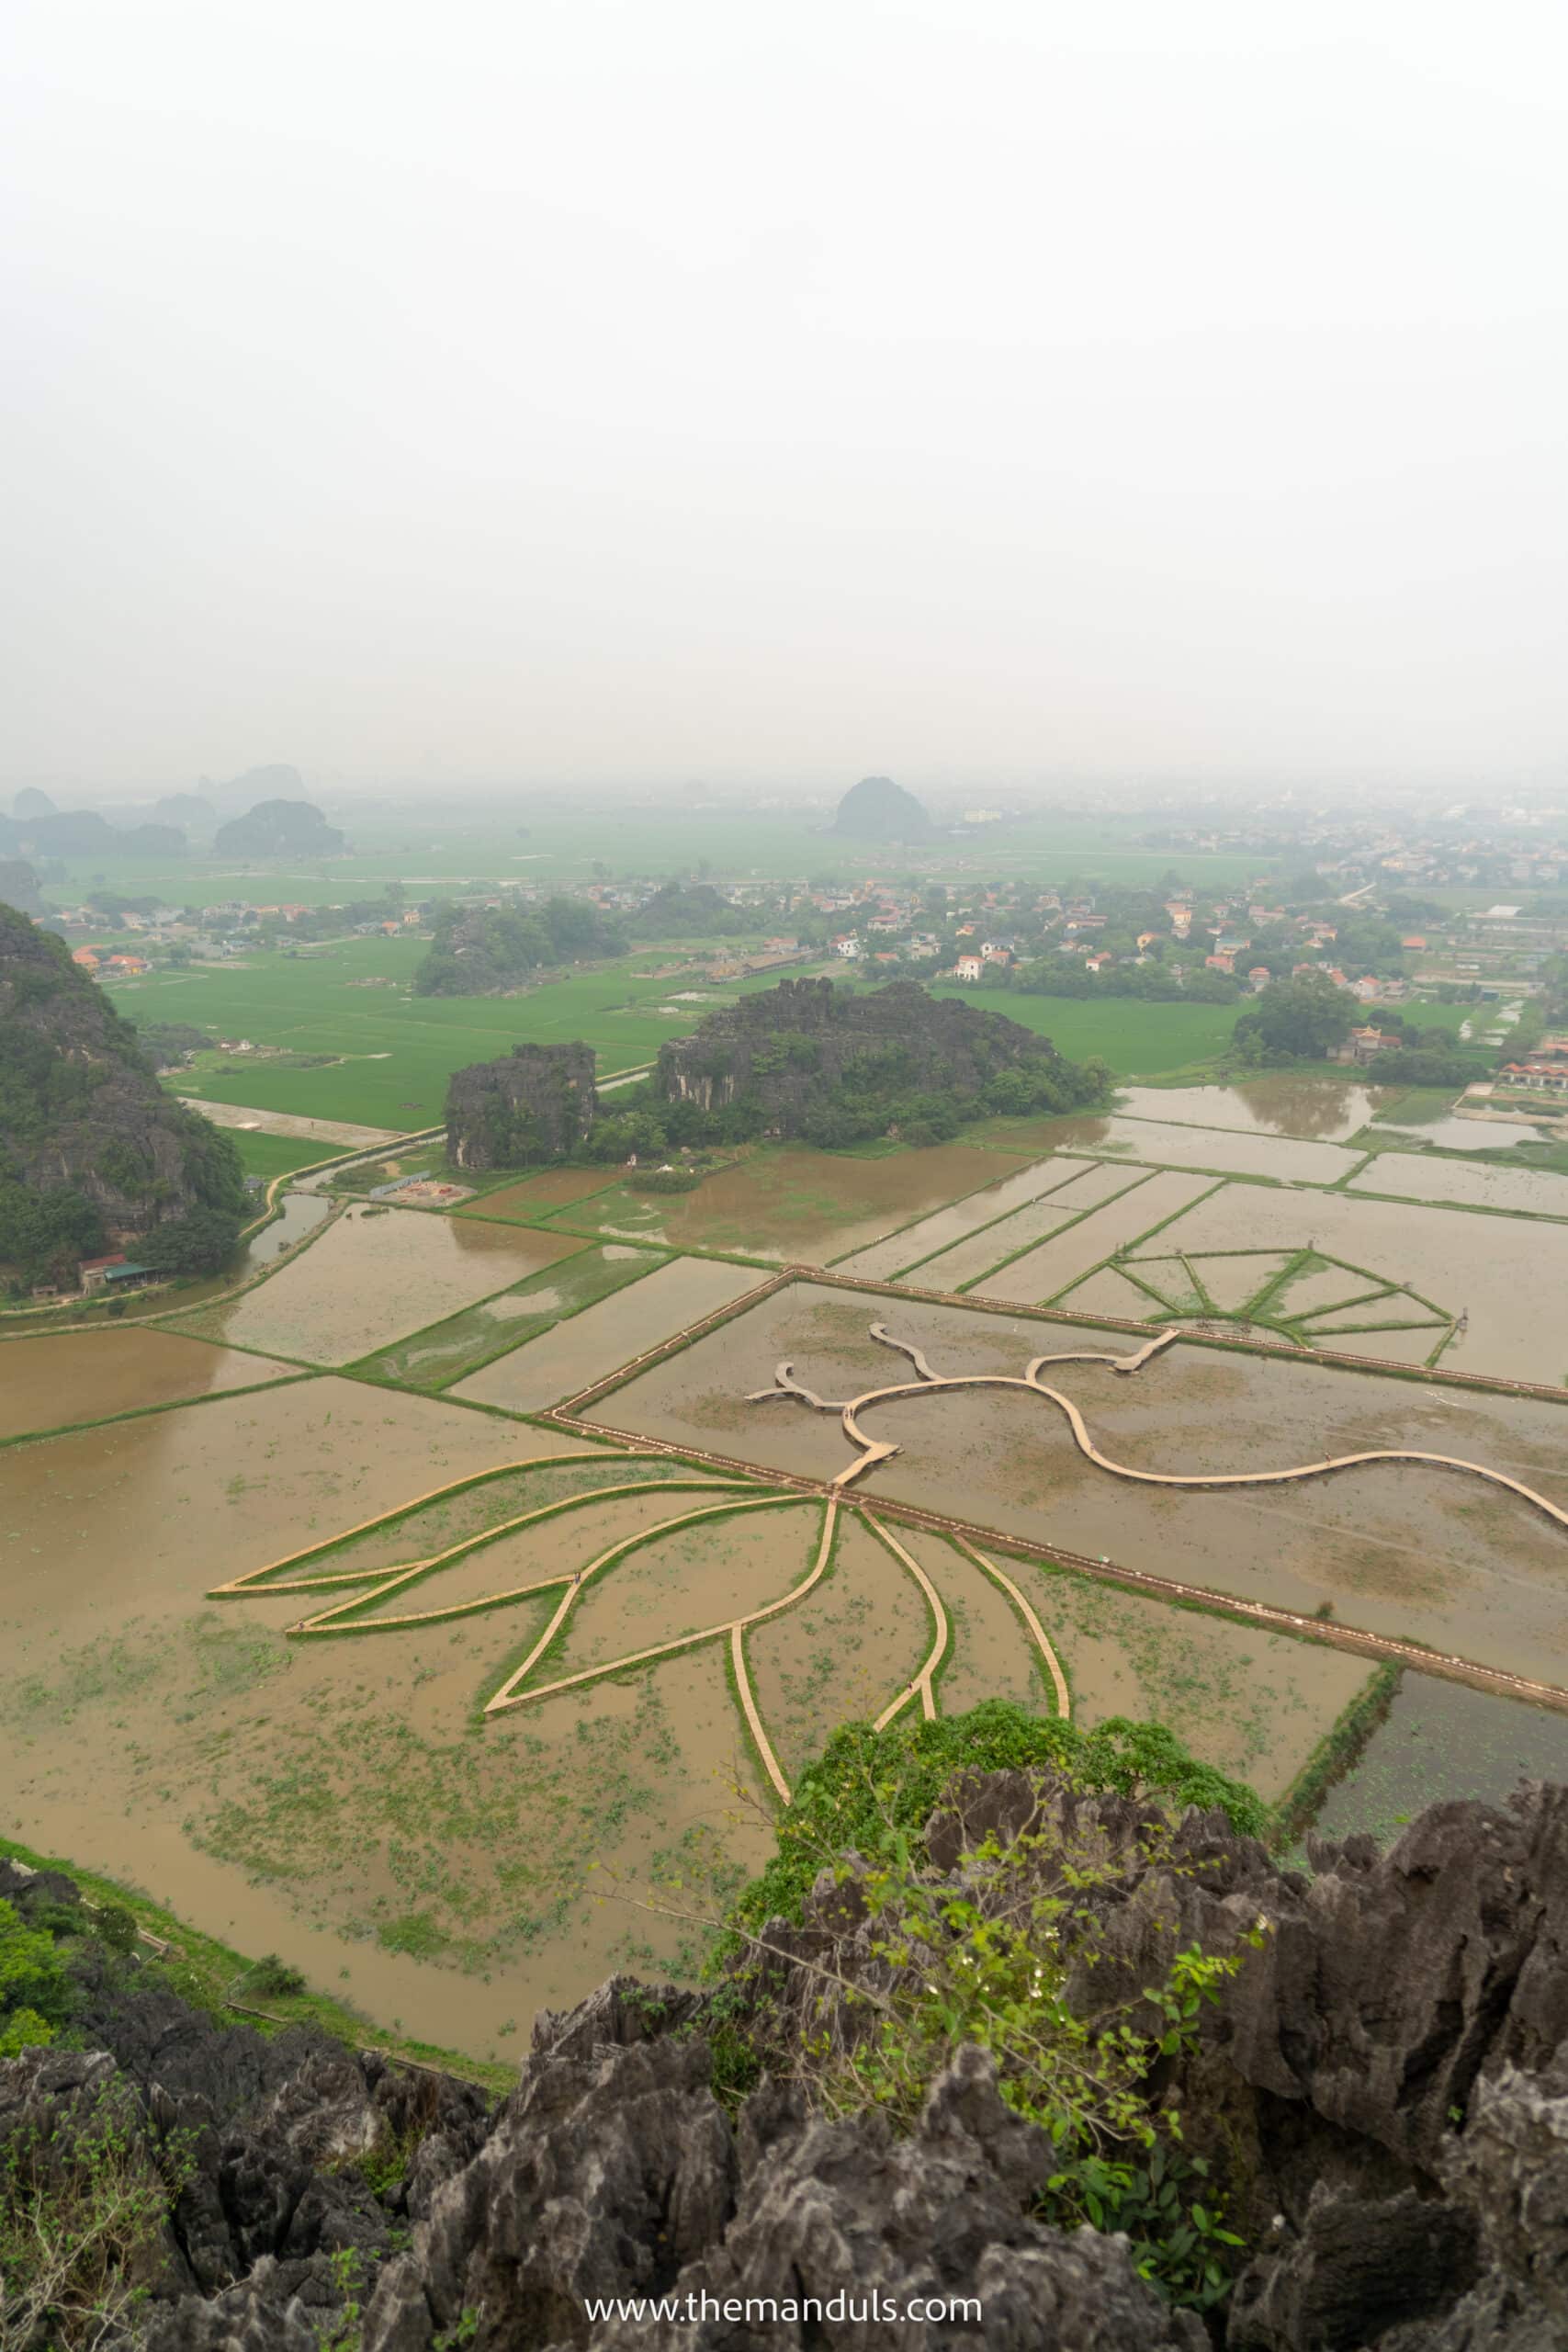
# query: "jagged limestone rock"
[[533, 1105]]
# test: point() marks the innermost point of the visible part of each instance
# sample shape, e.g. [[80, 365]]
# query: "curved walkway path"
[[940, 1637], [875, 1451], [1053, 1664], [509, 1694]]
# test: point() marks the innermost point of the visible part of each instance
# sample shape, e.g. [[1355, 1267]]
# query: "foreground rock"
[[1385, 2086]]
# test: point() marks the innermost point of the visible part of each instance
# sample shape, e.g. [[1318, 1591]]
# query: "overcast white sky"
[[565, 390]]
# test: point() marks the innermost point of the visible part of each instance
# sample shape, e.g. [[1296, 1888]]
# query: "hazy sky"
[[571, 391]]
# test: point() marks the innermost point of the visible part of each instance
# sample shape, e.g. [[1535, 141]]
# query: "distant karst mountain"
[[92, 1152], [279, 828], [32, 802], [277, 781], [877, 810], [687, 910], [83, 832], [533, 1105]]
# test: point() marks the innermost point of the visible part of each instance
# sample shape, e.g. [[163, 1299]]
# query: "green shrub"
[[33, 1981], [274, 1978], [867, 1787]]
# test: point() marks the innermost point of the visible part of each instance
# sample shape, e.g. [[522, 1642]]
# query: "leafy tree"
[[1295, 1020], [35, 1990], [201, 1242]]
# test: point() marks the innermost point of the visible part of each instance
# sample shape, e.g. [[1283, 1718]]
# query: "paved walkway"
[[873, 1450]]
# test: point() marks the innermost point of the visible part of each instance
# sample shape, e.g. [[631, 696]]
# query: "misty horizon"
[[1004, 398]]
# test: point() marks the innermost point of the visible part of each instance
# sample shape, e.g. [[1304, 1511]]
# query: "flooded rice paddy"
[[928, 1235], [436, 1358], [1318, 1110], [1407, 1551], [1253, 1704], [1413, 1176], [789, 1202], [72, 1376], [1041, 1272], [850, 1647], [535, 1196], [329, 1800], [370, 1278], [341, 1800], [1169, 1143], [1493, 1269], [1449, 1132], [1441, 1740], [574, 1354]]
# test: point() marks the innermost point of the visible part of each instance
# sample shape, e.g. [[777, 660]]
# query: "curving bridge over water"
[[873, 1450]]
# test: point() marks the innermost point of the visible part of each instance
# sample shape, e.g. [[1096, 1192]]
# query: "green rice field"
[[354, 1000], [562, 850], [1137, 1040]]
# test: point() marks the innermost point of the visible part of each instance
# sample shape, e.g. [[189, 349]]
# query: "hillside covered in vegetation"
[[92, 1152], [482, 951], [1023, 2034], [813, 1059]]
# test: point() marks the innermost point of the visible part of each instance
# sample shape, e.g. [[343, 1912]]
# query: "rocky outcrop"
[[877, 810], [1384, 2089], [279, 828], [794, 1048], [535, 1104], [81, 1111]]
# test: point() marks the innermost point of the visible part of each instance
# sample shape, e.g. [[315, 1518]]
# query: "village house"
[[968, 967], [846, 944], [1535, 1076], [1361, 1044]]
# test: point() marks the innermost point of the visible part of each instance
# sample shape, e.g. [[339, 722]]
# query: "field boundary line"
[[1053, 1664], [1225, 1604], [508, 1695], [941, 1636]]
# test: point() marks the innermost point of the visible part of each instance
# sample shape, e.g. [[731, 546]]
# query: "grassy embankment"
[[214, 1978]]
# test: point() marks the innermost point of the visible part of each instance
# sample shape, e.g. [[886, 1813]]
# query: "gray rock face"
[[532, 1105], [612, 2174], [1384, 2091], [83, 1112]]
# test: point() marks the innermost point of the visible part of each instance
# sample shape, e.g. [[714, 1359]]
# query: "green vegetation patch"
[[871, 1789], [433, 1360], [1134, 1038], [205, 1974], [270, 1155]]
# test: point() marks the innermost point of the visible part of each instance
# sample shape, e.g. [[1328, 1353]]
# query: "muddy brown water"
[[534, 1196], [1283, 1103], [74, 1377], [930, 1234], [1041, 1272], [1496, 1270], [844, 1652], [1411, 1176], [788, 1202], [573, 1355], [555, 1547], [374, 1277], [1411, 1552], [1168, 1143], [690, 1579], [1253, 1704]]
